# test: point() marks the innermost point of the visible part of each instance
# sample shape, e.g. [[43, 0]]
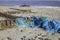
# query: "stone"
[[29, 39], [40, 38], [21, 30], [24, 36], [58, 38], [47, 39], [9, 38], [53, 34], [32, 39]]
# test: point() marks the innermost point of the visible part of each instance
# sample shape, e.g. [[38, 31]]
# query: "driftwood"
[[15, 9], [7, 23], [22, 10], [8, 16], [12, 12]]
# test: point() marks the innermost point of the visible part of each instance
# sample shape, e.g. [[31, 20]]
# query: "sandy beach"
[[27, 33]]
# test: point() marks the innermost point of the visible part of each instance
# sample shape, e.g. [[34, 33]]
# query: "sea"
[[32, 3]]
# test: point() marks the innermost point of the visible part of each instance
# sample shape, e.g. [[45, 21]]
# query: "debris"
[[42, 22], [7, 23], [43, 18], [24, 22], [8, 16], [34, 22]]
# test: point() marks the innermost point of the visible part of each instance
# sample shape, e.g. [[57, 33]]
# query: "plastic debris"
[[41, 22]]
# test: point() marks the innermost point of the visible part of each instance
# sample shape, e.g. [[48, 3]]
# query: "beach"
[[21, 33]]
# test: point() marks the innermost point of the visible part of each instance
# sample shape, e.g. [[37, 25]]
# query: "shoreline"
[[34, 6], [45, 6]]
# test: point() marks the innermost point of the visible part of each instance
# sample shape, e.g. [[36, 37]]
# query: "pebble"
[[47, 39], [53, 34], [32, 39], [24, 39], [43, 35], [28, 39], [39, 34], [21, 30], [58, 38], [9, 38], [35, 36], [24, 36], [40, 38], [30, 32]]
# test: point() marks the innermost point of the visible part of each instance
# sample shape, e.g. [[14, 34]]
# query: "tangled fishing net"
[[39, 22]]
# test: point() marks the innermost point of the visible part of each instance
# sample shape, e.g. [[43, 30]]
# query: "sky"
[[29, 0]]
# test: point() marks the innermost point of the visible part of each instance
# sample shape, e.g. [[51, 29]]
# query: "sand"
[[20, 33], [30, 33]]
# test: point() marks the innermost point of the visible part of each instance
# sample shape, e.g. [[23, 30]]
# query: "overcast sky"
[[29, 0]]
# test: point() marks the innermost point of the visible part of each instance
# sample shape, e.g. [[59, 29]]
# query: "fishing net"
[[39, 22]]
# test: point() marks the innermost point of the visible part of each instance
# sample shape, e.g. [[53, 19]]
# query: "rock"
[[58, 38], [43, 35], [47, 39], [24, 36], [58, 30], [40, 38], [53, 34], [8, 38], [35, 36], [21, 30], [39, 34], [29, 39], [32, 39]]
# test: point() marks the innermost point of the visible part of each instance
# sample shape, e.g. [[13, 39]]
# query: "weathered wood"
[[22, 10], [8, 16], [7, 24]]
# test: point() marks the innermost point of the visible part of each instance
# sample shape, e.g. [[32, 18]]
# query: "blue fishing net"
[[41, 22], [23, 22]]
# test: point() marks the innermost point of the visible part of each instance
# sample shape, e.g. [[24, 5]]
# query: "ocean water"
[[32, 3]]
